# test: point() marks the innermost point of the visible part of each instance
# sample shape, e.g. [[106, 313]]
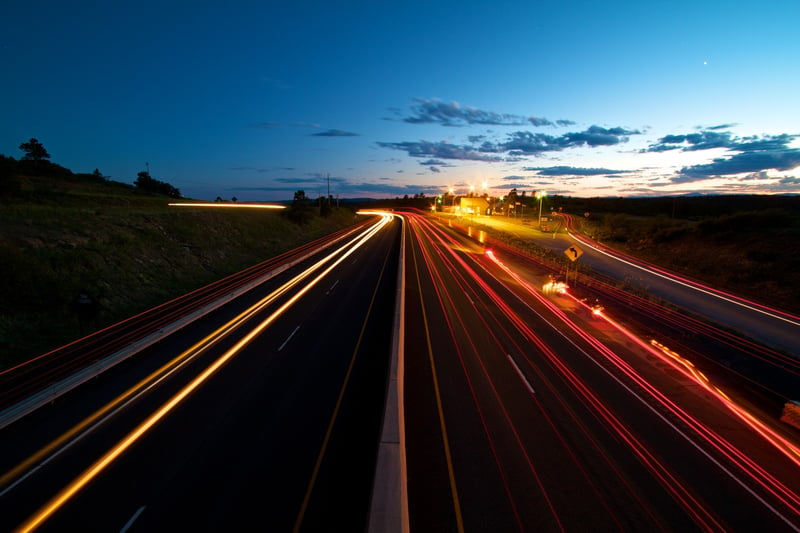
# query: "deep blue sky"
[[259, 99]]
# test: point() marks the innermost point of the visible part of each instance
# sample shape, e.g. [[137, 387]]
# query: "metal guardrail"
[[15, 412]]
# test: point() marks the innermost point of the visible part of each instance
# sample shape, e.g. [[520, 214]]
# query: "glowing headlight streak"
[[93, 471], [226, 205], [98, 417]]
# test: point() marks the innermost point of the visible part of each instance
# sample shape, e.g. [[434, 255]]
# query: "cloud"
[[439, 150], [574, 171], [708, 139], [434, 162], [750, 155], [740, 163], [597, 136], [539, 121], [266, 125], [260, 169], [527, 143], [518, 144], [704, 140], [434, 111], [273, 125], [334, 133]]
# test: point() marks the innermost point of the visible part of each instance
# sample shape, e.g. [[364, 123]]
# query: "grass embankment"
[[750, 253], [128, 251]]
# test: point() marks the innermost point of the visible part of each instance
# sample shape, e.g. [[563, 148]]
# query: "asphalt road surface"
[[524, 410], [263, 416], [770, 326], [530, 413]]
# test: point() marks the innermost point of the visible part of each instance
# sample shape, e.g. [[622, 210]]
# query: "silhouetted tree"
[[34, 151], [300, 211], [147, 183]]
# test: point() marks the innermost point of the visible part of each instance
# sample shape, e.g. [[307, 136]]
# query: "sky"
[[256, 100]]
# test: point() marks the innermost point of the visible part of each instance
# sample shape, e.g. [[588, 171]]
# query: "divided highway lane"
[[519, 418], [274, 426]]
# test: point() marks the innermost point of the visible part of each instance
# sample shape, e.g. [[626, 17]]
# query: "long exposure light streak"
[[101, 415], [228, 205], [650, 269], [722, 451], [115, 452], [688, 369], [660, 471], [451, 260], [753, 470]]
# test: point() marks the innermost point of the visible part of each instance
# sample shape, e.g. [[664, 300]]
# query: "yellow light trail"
[[93, 471], [160, 374], [221, 204]]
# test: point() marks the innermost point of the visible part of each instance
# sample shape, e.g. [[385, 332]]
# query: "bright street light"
[[540, 195]]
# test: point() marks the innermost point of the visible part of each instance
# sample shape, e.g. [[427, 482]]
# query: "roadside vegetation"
[[751, 252], [63, 235], [66, 236]]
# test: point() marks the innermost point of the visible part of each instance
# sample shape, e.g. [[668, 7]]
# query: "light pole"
[[540, 195], [452, 202]]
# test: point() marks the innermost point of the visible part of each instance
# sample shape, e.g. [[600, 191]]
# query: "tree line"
[[35, 161]]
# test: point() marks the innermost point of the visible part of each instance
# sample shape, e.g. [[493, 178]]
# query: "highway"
[[263, 415], [519, 406], [527, 412], [770, 326]]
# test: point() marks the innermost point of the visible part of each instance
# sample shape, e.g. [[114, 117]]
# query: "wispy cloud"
[[334, 133], [261, 169], [434, 111], [529, 143], [439, 150], [574, 171], [740, 163], [708, 139], [751, 155], [519, 143]]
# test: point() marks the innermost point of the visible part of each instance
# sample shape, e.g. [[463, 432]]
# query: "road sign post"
[[573, 252]]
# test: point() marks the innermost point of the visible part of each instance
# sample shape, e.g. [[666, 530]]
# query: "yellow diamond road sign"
[[573, 252]]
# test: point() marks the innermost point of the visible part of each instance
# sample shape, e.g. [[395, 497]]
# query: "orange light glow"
[[221, 204], [115, 452]]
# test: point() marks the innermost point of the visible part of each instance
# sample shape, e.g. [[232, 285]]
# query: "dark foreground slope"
[[60, 238]]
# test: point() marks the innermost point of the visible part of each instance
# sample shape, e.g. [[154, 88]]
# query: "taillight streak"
[[749, 467]]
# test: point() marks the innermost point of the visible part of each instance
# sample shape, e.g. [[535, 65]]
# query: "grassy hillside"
[[753, 253], [129, 251]]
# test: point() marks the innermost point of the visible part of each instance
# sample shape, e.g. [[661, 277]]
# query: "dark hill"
[[70, 233]]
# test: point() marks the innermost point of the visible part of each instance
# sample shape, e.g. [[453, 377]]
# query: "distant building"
[[476, 205]]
